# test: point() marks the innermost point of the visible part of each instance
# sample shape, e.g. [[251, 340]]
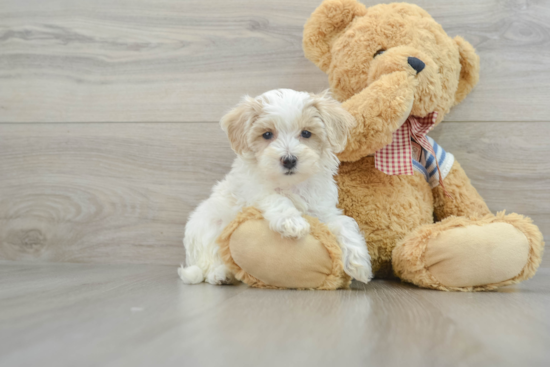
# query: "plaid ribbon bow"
[[396, 157]]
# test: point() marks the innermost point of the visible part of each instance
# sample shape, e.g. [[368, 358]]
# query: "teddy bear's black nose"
[[416, 64]]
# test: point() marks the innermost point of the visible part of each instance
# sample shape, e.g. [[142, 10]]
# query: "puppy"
[[285, 143]]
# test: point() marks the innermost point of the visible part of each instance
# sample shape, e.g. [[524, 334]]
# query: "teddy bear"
[[393, 67]]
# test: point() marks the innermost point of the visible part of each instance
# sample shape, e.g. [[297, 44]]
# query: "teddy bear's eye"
[[379, 52]]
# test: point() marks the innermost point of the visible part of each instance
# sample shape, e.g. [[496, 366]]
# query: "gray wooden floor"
[[142, 315]]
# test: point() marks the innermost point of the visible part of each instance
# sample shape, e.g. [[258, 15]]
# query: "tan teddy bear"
[[398, 73]]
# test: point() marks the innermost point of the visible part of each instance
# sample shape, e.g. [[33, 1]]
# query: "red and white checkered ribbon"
[[396, 157]]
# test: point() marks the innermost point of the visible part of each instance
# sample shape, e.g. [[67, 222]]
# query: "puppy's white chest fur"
[[286, 143], [296, 196]]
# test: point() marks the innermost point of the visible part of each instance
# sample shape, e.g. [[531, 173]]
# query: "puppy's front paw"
[[293, 227]]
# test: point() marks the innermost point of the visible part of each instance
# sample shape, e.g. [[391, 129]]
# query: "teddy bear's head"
[[356, 45]]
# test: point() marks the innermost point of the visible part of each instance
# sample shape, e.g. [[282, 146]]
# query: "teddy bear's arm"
[[379, 110], [465, 199]]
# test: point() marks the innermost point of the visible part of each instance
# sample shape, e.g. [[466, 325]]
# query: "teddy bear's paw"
[[470, 254], [480, 254], [407, 112], [292, 227]]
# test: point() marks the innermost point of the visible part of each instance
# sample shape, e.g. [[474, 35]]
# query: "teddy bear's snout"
[[416, 64]]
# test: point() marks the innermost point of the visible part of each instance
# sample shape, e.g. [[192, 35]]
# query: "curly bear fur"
[[413, 231], [365, 53]]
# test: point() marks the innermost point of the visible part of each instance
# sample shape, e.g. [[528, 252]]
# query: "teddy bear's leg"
[[470, 254], [261, 257]]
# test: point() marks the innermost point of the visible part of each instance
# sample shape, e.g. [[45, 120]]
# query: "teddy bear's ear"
[[326, 23], [469, 72]]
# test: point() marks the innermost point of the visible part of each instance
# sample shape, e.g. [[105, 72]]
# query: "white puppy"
[[285, 143]]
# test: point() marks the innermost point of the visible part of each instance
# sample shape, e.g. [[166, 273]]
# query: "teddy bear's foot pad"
[[477, 255], [262, 258], [279, 261]]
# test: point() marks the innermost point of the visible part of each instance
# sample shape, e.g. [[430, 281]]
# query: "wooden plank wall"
[[109, 109]]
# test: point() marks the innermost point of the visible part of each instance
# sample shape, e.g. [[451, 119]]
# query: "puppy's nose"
[[416, 64], [289, 162]]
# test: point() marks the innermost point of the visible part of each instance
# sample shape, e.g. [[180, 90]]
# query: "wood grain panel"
[[121, 192], [171, 60], [127, 315], [104, 192], [507, 162]]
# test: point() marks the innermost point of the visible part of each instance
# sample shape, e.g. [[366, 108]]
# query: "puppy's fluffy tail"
[[191, 275]]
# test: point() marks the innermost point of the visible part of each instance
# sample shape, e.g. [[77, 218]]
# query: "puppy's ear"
[[469, 72], [338, 122], [237, 122], [324, 26]]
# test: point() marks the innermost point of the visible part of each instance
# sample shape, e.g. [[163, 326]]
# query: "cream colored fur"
[[365, 53], [283, 195], [261, 258]]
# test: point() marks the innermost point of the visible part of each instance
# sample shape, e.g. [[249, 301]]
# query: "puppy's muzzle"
[[289, 162]]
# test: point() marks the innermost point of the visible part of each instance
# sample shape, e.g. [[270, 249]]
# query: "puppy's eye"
[[306, 134], [268, 135], [379, 52]]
